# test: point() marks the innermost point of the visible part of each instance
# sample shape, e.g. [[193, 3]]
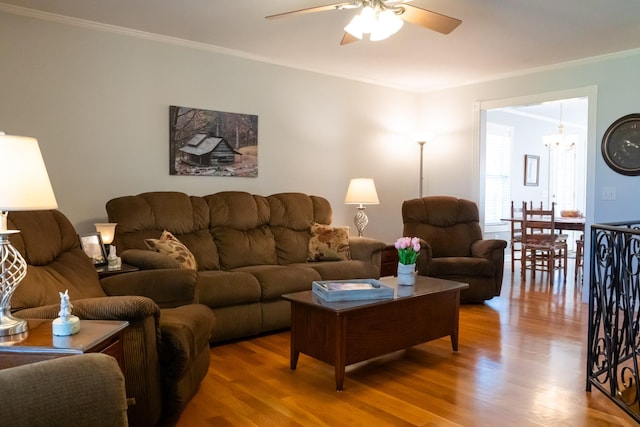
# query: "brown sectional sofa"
[[249, 249]]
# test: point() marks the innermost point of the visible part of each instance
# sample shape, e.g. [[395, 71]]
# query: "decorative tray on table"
[[351, 290]]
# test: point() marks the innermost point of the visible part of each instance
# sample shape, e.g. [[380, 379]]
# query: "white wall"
[[98, 102], [617, 93]]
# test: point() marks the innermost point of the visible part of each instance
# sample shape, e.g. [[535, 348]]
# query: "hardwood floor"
[[521, 361]]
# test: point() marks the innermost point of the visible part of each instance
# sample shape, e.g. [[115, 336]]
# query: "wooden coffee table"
[[342, 333]]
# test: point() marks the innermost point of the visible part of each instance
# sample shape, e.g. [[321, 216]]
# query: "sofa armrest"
[[486, 248], [148, 260], [424, 258], [129, 308], [139, 346], [493, 250], [366, 249], [166, 287], [87, 390]]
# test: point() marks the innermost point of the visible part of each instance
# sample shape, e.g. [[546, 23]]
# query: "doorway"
[[517, 129], [544, 161]]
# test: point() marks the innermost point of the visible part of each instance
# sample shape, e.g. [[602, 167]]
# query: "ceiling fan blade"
[[345, 5], [348, 38], [434, 21]]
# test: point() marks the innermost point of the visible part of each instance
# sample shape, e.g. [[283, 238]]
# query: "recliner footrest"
[[184, 331]]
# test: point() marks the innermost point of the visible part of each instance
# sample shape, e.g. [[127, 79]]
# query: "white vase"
[[406, 274]]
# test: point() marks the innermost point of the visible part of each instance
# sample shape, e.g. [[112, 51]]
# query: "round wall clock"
[[621, 145]]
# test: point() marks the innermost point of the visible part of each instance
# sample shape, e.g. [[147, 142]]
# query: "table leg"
[[294, 352], [341, 352], [456, 322], [294, 359], [339, 378], [454, 341]]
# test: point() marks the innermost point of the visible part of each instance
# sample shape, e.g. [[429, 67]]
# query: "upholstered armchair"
[[85, 390], [456, 249], [165, 347]]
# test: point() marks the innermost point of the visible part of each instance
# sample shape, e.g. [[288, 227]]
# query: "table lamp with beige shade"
[[26, 186], [361, 191]]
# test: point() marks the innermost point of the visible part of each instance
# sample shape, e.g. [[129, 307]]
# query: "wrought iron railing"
[[614, 314]]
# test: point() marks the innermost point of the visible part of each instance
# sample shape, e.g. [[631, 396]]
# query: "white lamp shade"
[[388, 24], [361, 191], [380, 24], [23, 175], [355, 27], [107, 231]]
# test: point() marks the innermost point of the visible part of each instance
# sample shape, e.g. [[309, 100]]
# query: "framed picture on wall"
[[531, 170], [212, 143], [92, 245]]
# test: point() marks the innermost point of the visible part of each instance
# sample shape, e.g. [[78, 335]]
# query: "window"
[[498, 174]]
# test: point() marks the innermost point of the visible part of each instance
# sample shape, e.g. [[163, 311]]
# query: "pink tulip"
[[408, 248]]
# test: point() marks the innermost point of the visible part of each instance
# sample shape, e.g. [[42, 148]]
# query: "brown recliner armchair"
[[456, 251], [165, 347], [84, 390]]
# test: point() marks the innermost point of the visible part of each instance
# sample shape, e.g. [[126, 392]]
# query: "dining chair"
[[542, 248], [516, 234], [579, 257]]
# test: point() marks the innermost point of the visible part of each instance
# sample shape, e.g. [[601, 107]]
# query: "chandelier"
[[560, 141]]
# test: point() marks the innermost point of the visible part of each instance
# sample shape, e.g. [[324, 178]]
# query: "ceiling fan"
[[382, 18]]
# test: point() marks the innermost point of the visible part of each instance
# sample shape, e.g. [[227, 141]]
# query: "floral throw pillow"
[[168, 244], [329, 243]]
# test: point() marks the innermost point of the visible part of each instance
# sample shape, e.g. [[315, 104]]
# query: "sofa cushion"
[[56, 261], [146, 215], [276, 280], [339, 270], [461, 266], [290, 221], [225, 288], [168, 245], [448, 224], [239, 224], [328, 243]]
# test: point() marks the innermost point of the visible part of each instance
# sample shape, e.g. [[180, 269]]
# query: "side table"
[[39, 343], [389, 262], [104, 271]]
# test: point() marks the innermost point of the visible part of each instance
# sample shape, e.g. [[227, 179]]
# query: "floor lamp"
[[421, 137], [25, 186], [421, 163], [361, 191]]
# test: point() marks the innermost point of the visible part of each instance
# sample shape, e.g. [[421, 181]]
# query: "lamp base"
[[10, 325], [361, 221], [13, 268]]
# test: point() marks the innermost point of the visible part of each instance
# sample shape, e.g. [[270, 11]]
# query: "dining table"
[[561, 223]]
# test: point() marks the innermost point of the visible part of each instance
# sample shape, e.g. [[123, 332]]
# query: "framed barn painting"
[[212, 143]]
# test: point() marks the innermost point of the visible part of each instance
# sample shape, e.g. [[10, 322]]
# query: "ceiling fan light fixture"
[[388, 24], [368, 19], [379, 24], [355, 27]]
